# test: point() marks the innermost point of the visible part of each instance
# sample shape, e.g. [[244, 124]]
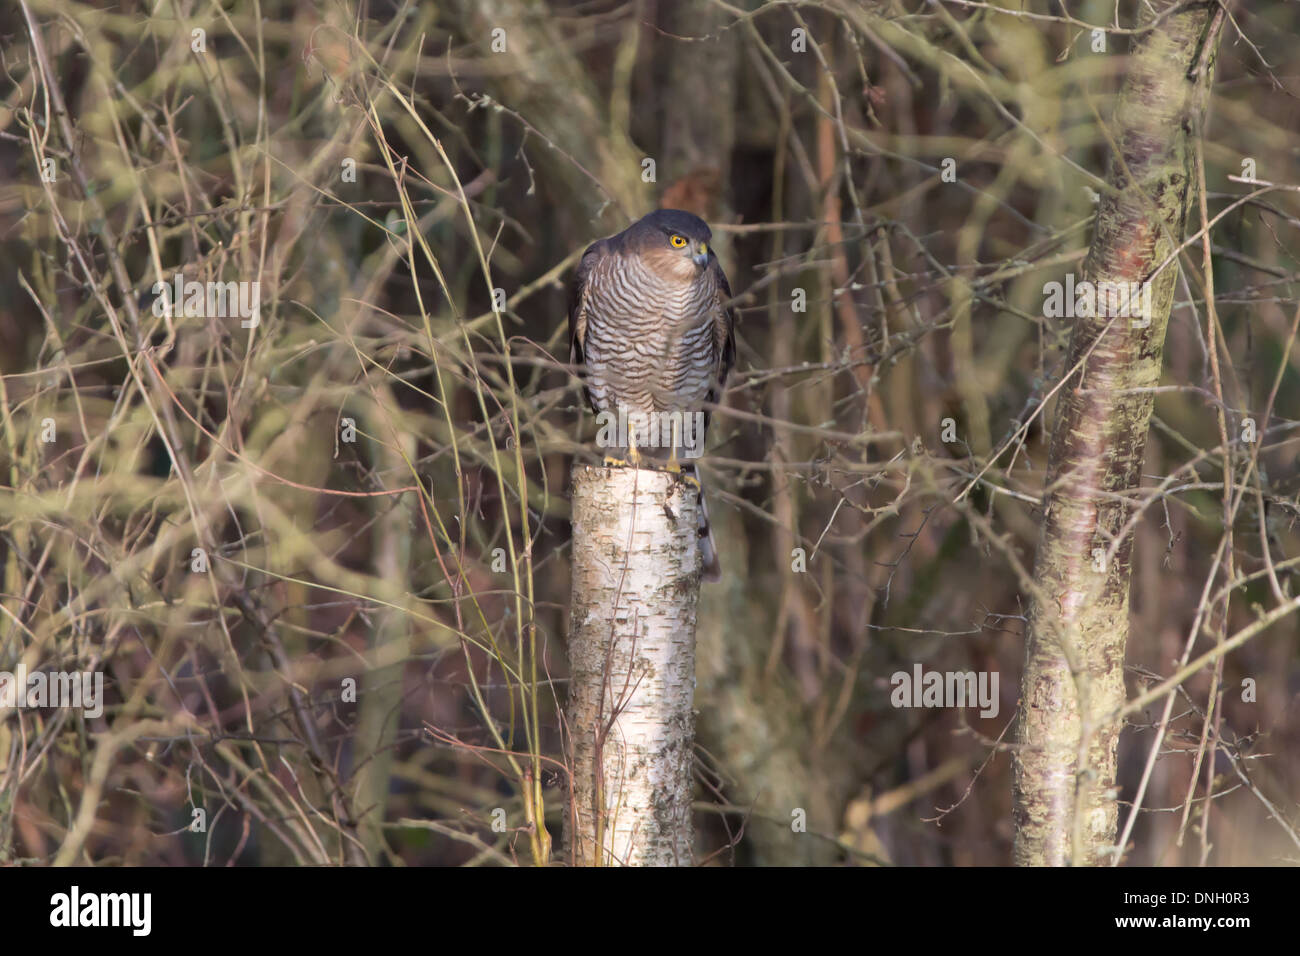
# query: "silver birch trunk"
[[630, 718], [1065, 796]]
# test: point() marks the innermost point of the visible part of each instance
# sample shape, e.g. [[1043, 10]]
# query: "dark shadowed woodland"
[[322, 556]]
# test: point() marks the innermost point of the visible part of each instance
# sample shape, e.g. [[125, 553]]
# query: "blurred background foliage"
[[366, 663]]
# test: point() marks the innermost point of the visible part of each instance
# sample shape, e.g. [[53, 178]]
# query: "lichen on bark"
[[1065, 799]]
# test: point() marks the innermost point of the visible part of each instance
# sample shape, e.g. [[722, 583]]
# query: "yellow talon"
[[674, 466], [633, 460]]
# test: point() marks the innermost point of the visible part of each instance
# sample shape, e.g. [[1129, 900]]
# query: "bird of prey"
[[652, 335]]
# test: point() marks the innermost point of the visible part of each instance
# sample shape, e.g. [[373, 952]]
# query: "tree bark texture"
[[1065, 798], [550, 83], [630, 722]]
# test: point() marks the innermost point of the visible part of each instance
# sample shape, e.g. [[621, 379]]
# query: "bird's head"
[[675, 243]]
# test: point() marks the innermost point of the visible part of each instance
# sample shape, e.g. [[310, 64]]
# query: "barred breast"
[[649, 344]]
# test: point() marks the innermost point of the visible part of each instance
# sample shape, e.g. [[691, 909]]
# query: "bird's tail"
[[708, 547]]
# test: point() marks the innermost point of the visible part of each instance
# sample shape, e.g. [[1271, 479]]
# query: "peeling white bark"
[[630, 722]]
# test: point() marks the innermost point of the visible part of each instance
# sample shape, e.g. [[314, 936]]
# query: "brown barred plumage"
[[651, 332]]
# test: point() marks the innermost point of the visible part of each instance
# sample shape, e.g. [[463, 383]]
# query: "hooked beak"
[[701, 257]]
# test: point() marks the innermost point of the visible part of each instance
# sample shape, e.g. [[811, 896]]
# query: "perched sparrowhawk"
[[652, 333]]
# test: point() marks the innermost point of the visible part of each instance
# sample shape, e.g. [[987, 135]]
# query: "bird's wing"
[[724, 332], [578, 312]]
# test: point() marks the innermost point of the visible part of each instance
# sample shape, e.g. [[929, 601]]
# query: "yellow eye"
[[678, 242]]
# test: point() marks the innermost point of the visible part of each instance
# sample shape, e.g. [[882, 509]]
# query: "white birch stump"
[[630, 722]]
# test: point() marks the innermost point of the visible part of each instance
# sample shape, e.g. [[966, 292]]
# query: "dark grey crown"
[[663, 222]]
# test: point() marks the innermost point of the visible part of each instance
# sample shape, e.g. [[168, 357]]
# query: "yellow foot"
[[673, 466], [633, 460]]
